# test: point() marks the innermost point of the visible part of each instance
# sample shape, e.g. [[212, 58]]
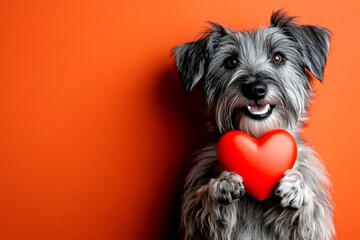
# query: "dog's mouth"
[[258, 111]]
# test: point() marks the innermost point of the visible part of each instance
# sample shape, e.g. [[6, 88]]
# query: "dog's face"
[[256, 81]]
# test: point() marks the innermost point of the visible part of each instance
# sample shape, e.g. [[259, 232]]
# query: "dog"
[[256, 81]]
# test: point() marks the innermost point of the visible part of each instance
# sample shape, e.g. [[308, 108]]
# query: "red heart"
[[261, 162]]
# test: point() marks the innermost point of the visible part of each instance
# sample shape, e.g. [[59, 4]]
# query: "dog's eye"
[[231, 62], [277, 58]]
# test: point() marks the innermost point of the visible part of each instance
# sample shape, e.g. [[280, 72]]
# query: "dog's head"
[[255, 81]]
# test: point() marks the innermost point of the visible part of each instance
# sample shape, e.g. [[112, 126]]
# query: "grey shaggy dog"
[[256, 81]]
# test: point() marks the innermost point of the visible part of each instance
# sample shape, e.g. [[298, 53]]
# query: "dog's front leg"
[[304, 196], [209, 210], [293, 190], [212, 209]]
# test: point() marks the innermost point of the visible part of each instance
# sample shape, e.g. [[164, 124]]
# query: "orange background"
[[95, 130]]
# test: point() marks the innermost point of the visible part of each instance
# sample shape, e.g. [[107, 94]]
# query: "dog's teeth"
[[258, 110]]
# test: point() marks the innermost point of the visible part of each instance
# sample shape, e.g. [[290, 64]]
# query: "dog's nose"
[[255, 90]]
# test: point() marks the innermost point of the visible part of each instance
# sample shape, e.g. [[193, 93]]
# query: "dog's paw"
[[293, 190], [228, 187]]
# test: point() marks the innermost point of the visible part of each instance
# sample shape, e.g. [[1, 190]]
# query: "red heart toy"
[[261, 162]]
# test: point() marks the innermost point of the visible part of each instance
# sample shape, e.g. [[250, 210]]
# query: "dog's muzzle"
[[256, 91]]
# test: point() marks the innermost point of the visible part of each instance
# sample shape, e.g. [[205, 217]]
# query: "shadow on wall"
[[187, 111]]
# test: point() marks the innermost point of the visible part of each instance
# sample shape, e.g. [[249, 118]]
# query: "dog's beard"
[[235, 112], [258, 127]]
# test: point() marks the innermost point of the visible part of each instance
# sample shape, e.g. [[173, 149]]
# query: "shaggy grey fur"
[[237, 70]]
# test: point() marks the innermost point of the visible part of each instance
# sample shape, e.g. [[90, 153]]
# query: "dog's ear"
[[192, 58], [313, 41]]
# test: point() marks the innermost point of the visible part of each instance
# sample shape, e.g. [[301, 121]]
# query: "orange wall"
[[94, 128]]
